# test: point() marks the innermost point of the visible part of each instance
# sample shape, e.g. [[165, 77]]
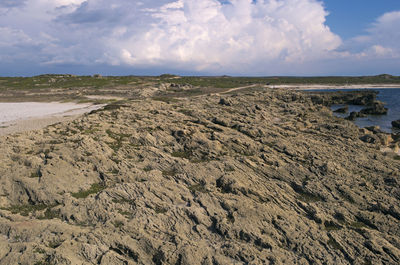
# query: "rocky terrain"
[[259, 177]]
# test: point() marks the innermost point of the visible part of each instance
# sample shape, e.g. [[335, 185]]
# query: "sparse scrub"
[[25, 210], [94, 189]]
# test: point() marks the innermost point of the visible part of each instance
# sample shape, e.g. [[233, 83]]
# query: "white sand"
[[19, 117]]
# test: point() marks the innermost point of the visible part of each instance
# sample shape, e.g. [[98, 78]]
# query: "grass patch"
[[397, 157], [49, 214], [94, 189], [118, 137], [25, 210], [123, 201]]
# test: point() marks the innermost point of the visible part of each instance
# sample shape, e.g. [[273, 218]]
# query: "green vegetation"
[[230, 82], [94, 189], [26, 209], [66, 81], [221, 82], [118, 137], [123, 200], [49, 214]]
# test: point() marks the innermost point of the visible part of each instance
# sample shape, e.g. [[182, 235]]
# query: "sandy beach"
[[26, 116]]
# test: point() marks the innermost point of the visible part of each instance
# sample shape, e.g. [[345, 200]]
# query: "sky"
[[200, 37]]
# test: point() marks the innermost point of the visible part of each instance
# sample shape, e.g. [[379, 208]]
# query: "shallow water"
[[391, 98]]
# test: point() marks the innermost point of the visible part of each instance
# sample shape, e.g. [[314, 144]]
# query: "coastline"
[[361, 86]]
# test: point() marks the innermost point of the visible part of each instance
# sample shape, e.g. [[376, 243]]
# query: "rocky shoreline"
[[371, 106], [259, 177]]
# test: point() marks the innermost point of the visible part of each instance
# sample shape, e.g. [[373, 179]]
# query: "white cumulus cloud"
[[236, 36], [381, 41], [208, 36]]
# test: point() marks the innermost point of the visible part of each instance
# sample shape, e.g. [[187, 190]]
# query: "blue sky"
[[350, 18], [200, 37]]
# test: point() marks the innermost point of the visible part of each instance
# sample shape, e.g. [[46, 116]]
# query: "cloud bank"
[[247, 37]]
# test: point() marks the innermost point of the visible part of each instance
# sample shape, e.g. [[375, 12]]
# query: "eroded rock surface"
[[267, 177], [396, 124]]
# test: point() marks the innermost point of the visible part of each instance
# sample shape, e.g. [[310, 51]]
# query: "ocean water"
[[391, 98]]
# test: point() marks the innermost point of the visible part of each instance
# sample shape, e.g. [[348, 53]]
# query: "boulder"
[[354, 114], [225, 102], [376, 109], [385, 138], [344, 109], [396, 124], [396, 137], [370, 138], [374, 129]]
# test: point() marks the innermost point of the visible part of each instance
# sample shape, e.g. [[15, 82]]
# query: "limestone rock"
[[396, 124], [260, 177]]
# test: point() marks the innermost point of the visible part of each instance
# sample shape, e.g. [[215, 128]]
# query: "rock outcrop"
[[344, 109], [354, 115], [361, 97], [377, 108], [263, 177], [396, 124]]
